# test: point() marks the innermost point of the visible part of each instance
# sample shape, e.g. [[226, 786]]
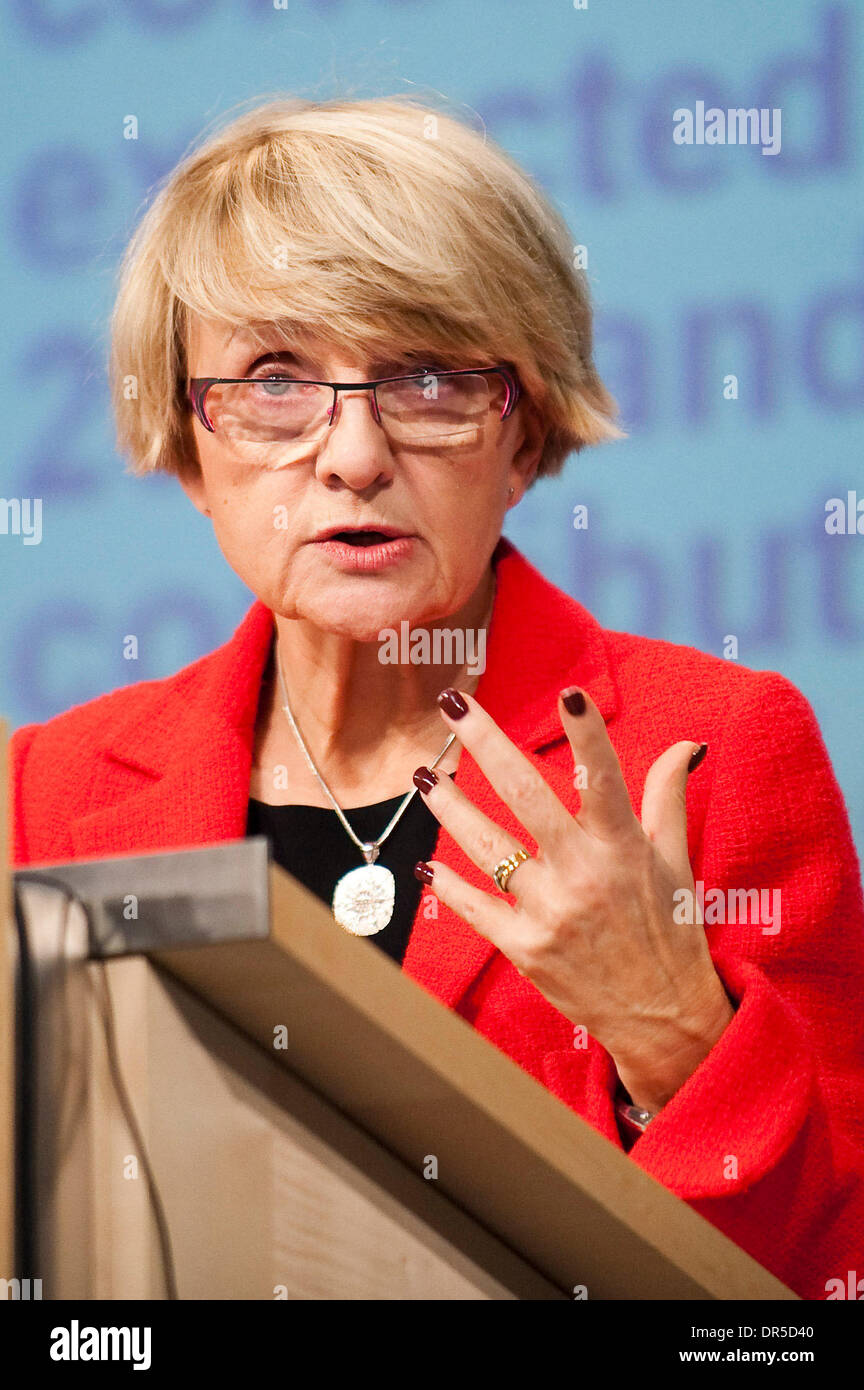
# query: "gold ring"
[[502, 871]]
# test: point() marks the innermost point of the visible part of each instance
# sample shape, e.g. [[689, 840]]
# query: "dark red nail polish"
[[574, 701], [425, 778], [452, 703], [422, 871], [696, 758]]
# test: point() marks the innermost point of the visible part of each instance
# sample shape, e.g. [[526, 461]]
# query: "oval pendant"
[[363, 899]]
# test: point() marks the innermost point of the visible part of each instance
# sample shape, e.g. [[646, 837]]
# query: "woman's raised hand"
[[593, 924]]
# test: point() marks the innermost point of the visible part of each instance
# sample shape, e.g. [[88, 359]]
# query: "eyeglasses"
[[447, 408]]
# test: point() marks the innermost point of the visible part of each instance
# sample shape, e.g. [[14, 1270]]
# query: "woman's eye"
[[275, 384]]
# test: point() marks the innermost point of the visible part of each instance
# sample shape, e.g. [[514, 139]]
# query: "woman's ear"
[[526, 459]]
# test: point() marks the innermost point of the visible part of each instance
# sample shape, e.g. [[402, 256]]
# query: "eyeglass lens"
[[417, 409]]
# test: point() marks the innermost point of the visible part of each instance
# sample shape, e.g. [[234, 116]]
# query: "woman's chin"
[[370, 621], [359, 606]]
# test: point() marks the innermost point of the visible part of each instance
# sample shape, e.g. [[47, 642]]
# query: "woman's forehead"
[[229, 342], [225, 334]]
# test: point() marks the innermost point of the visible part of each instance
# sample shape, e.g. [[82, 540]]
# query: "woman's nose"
[[354, 447]]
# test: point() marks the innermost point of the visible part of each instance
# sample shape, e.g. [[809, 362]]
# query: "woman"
[[354, 333]]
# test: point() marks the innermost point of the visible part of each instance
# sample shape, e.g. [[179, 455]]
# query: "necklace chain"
[[368, 848]]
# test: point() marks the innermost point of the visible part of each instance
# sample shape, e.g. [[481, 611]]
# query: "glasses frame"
[[199, 386]]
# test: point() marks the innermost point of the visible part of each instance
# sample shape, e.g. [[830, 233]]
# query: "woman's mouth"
[[364, 549]]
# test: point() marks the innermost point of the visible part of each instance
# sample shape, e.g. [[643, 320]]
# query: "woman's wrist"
[[651, 1085]]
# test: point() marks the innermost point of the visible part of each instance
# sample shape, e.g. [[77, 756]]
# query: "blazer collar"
[[176, 765]]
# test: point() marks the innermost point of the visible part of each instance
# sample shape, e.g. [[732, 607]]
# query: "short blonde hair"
[[383, 223]]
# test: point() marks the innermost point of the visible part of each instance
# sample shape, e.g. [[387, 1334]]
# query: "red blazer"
[[766, 1137]]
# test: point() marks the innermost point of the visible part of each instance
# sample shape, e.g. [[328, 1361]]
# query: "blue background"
[[708, 520]]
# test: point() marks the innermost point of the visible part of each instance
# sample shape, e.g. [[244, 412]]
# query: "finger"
[[664, 806], [605, 810], [490, 916], [485, 842], [515, 779]]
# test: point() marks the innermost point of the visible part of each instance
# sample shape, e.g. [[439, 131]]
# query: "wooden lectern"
[[218, 1094]]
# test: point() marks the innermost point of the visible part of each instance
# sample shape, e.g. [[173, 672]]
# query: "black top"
[[311, 843]]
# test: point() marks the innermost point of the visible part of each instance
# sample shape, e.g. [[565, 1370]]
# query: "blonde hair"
[[382, 223]]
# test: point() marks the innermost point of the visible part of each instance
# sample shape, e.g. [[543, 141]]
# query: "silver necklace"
[[364, 898]]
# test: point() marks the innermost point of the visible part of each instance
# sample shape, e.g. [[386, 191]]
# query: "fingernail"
[[574, 700], [422, 871], [452, 703], [696, 758], [425, 778]]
